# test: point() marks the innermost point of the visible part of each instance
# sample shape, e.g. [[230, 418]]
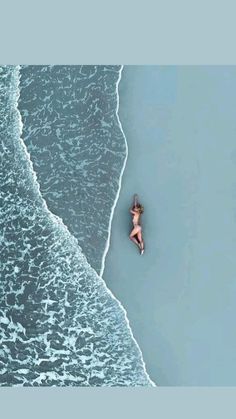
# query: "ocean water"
[[78, 150], [59, 324]]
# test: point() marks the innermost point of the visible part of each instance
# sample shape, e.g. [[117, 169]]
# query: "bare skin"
[[136, 233]]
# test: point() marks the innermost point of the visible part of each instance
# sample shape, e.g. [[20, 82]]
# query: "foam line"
[[121, 175], [110, 221]]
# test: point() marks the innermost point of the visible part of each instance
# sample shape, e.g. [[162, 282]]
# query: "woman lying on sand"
[[136, 234]]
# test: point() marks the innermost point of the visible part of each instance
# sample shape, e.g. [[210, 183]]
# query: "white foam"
[[110, 222], [120, 178]]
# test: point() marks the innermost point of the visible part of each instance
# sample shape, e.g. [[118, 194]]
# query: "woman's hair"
[[139, 208]]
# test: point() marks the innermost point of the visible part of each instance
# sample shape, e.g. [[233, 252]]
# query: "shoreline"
[[103, 264], [120, 178]]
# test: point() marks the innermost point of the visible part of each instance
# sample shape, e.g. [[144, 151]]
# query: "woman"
[[136, 234]]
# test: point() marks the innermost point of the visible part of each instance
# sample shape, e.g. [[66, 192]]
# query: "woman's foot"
[[141, 248]]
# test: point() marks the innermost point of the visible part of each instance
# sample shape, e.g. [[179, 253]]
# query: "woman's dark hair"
[[138, 208]]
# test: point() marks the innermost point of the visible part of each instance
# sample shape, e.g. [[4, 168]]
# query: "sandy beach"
[[180, 127]]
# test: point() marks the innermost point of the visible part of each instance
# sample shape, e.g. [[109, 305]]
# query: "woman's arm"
[[135, 200]]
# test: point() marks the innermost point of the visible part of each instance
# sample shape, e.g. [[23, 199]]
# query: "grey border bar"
[[115, 403], [117, 32]]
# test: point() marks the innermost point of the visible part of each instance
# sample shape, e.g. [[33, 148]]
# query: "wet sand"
[[180, 127]]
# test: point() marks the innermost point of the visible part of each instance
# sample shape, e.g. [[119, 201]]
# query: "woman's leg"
[[133, 233], [140, 239]]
